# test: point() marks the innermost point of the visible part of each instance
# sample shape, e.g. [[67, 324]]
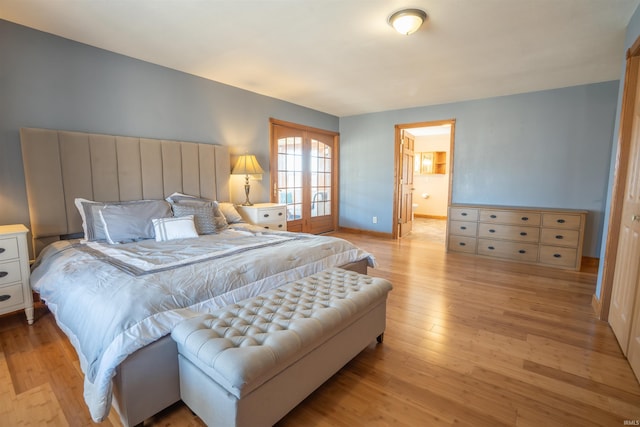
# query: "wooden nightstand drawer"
[[463, 228], [268, 215], [511, 250], [10, 272], [560, 237], [510, 217], [274, 226], [8, 248], [11, 296], [509, 232]]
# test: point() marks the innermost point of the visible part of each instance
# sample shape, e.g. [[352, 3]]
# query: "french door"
[[304, 165]]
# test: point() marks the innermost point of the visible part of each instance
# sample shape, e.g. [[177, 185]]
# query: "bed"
[[132, 363]]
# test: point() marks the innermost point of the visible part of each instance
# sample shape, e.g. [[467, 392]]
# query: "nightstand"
[[268, 215], [15, 292]]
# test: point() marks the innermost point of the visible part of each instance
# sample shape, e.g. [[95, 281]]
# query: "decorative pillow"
[[174, 228], [230, 213], [129, 222], [91, 223], [203, 216], [207, 216]]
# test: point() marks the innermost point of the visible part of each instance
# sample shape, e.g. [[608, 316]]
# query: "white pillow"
[[181, 227]]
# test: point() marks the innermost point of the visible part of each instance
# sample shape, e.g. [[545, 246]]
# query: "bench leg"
[[380, 338]]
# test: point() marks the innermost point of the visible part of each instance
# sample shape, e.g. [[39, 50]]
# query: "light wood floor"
[[468, 341]]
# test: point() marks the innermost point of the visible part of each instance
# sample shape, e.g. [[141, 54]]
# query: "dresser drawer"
[[463, 214], [10, 272], [463, 228], [560, 220], [557, 256], [8, 248], [11, 296], [510, 217], [462, 244], [509, 232], [511, 250], [560, 237]]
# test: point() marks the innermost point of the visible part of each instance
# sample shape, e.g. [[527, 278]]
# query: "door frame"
[[601, 303], [397, 169]]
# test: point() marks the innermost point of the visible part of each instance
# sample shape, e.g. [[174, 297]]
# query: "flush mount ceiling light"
[[407, 21]]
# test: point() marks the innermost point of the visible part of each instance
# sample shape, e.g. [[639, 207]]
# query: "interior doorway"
[[423, 177]]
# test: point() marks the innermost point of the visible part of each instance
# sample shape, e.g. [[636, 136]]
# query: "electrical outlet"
[[375, 219]]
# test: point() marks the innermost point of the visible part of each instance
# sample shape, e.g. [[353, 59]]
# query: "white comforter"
[[112, 300]]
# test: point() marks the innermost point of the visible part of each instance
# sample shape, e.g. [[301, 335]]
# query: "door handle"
[[635, 217]]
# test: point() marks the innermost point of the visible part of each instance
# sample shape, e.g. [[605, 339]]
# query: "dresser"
[[15, 292], [268, 215], [545, 236]]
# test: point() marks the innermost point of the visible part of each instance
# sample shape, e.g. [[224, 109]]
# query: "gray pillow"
[[230, 213], [203, 216], [131, 221]]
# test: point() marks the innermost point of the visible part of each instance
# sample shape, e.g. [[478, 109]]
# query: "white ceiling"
[[342, 57]]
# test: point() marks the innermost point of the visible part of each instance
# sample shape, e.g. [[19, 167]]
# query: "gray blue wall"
[[633, 32], [50, 82], [547, 149]]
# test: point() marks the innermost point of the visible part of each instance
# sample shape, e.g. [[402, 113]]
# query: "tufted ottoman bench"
[[250, 363]]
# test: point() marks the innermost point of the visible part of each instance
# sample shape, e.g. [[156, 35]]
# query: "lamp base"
[[247, 188]]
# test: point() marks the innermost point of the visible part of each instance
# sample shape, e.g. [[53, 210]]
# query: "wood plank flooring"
[[469, 341]]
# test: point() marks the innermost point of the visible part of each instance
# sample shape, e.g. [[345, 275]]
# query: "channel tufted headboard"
[[61, 165]]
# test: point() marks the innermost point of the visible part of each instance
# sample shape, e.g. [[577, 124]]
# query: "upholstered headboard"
[[60, 166]]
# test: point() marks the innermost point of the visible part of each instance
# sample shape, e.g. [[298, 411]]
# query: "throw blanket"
[[112, 300]]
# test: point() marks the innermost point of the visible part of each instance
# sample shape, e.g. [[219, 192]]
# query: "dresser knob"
[[492, 231], [559, 237], [491, 248], [463, 228], [557, 256], [266, 215], [525, 218], [523, 233], [462, 244], [493, 216], [4, 297], [522, 251], [3, 273], [2, 250], [280, 214], [463, 214], [561, 221], [279, 225]]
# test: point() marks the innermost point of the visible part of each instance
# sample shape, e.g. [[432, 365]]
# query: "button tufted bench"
[[250, 363]]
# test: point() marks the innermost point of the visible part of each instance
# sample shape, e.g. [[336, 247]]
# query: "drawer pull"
[[463, 228], [3, 273], [266, 215], [462, 244], [522, 251], [561, 221], [525, 218], [279, 225], [2, 250], [4, 297], [463, 214], [492, 230], [523, 233], [491, 248], [557, 256], [493, 216], [280, 214], [559, 237]]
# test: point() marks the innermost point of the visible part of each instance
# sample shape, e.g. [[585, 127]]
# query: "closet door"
[[304, 164]]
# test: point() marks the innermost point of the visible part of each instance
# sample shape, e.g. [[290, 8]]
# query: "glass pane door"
[[320, 178]]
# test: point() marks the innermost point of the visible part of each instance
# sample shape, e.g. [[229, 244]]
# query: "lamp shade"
[[407, 21], [247, 165]]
